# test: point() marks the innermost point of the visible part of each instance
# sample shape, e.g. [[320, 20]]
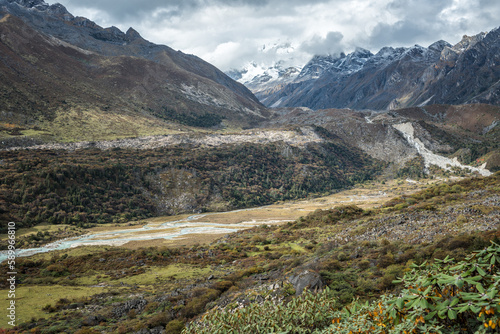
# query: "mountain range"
[[393, 78], [66, 79]]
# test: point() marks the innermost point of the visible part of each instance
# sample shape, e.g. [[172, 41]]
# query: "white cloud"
[[229, 33]]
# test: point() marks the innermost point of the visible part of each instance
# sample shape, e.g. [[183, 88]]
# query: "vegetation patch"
[[88, 187], [33, 302]]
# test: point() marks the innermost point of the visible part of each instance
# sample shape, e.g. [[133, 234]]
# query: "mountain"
[[275, 66], [258, 77], [60, 74], [393, 78]]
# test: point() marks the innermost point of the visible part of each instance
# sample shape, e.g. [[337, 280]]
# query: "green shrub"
[[197, 305], [304, 314], [174, 327], [159, 319], [364, 264], [222, 285], [444, 297]]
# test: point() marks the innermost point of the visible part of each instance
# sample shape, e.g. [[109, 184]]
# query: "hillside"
[[65, 78], [98, 183], [355, 252], [469, 133]]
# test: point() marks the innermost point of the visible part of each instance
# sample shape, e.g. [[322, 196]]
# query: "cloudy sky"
[[229, 33]]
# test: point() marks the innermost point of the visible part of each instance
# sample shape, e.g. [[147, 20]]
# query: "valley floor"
[[188, 230]]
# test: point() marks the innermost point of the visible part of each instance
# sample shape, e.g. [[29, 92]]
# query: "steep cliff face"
[[393, 78], [468, 72]]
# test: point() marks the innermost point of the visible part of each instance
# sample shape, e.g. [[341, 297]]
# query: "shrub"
[[304, 314], [222, 285], [340, 285], [174, 327], [132, 314], [390, 274], [461, 219], [443, 297], [55, 270], [331, 264], [160, 319], [86, 331], [364, 264], [151, 307], [197, 305]]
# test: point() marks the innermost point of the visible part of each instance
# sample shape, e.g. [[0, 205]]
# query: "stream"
[[168, 230], [207, 223]]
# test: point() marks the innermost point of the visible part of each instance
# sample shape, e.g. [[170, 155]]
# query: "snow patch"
[[426, 101]]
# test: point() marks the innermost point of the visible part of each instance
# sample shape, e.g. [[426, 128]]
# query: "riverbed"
[[201, 228]]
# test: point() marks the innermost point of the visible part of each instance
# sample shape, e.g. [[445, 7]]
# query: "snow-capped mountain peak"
[[276, 65]]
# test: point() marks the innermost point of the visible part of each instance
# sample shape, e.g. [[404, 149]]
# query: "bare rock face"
[[306, 279]]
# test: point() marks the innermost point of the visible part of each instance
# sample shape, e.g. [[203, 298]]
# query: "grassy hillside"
[[357, 253]]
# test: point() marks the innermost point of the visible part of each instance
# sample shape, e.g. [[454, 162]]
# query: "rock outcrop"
[[309, 280]]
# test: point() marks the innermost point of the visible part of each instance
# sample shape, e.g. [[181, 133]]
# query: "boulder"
[[306, 279]]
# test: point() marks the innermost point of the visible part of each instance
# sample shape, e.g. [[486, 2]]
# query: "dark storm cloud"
[[426, 21], [137, 8]]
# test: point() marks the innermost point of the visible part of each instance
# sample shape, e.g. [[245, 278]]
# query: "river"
[[191, 225]]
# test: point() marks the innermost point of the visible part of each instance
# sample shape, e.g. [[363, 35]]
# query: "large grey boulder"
[[306, 279]]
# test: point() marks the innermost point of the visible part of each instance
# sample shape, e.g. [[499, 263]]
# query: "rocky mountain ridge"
[[395, 77]]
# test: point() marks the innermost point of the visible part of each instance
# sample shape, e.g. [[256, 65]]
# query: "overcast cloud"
[[229, 33]]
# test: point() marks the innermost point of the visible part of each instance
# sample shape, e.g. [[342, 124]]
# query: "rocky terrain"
[[442, 135], [417, 227], [299, 137]]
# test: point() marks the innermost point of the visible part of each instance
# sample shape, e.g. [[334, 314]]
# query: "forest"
[[89, 186]]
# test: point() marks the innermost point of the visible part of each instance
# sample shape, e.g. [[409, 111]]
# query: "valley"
[[149, 192], [151, 284], [187, 230]]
